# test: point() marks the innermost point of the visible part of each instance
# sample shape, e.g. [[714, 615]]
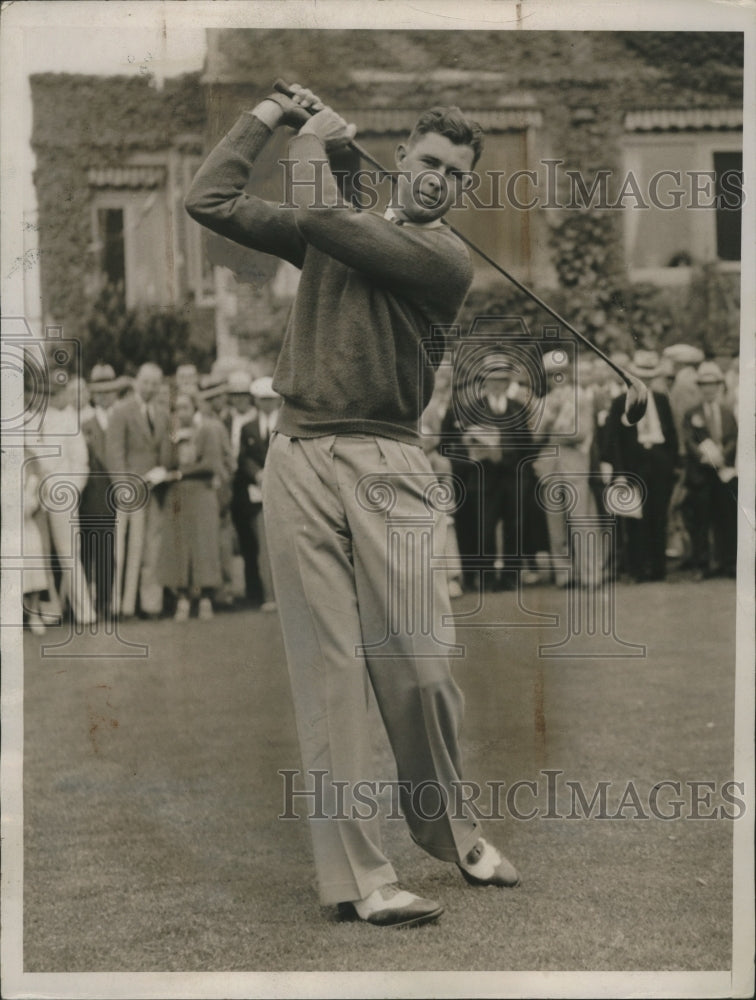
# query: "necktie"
[[148, 414], [713, 422], [649, 426]]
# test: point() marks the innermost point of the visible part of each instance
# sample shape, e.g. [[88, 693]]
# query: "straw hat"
[[645, 364], [684, 354], [212, 386], [262, 388], [709, 373], [238, 383], [103, 378]]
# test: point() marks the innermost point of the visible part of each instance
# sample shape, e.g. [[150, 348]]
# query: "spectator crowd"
[[536, 460]]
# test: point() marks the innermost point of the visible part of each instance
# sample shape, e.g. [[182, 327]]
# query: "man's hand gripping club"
[[305, 112]]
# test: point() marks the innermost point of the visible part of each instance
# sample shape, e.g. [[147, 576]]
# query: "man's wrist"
[[269, 112]]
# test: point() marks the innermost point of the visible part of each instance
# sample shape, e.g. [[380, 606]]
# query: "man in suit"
[[499, 443], [253, 448], [246, 467], [187, 380], [214, 410], [684, 393], [136, 430], [710, 436], [566, 432], [649, 450], [63, 462], [96, 513]]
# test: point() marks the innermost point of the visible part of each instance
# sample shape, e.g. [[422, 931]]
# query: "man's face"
[[78, 393], [497, 384], [103, 399], [147, 384], [433, 173], [267, 404], [184, 411], [585, 374], [218, 403], [240, 401], [709, 390], [59, 398], [187, 381]]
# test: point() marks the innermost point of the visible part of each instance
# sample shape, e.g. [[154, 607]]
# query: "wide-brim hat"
[[645, 364], [117, 384], [103, 378], [620, 358], [709, 373], [238, 383], [212, 386], [684, 354], [262, 388]]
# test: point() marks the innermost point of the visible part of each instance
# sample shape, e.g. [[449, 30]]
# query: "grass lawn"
[[151, 794]]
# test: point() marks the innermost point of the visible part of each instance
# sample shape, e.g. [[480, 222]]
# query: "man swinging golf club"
[[354, 382]]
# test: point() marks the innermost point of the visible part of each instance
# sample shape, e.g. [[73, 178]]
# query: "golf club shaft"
[[535, 298], [283, 88]]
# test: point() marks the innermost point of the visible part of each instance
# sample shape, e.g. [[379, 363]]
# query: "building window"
[[728, 168], [132, 232], [687, 167], [200, 274], [112, 245]]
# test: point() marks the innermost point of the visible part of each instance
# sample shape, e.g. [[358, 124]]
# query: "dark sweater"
[[370, 292]]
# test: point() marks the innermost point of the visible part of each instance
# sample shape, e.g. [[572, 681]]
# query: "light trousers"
[[571, 467], [348, 574], [137, 550]]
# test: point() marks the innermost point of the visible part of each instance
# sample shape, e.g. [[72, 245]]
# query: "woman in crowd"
[[36, 580], [192, 466], [63, 468]]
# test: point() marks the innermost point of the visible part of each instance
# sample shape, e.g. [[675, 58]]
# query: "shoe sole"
[[416, 921], [485, 882], [347, 913]]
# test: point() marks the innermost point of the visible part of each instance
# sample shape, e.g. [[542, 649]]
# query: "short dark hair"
[[452, 123]]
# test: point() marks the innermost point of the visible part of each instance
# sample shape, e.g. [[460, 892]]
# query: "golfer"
[[355, 379]]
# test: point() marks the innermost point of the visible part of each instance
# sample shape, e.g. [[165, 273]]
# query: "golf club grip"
[[282, 87]]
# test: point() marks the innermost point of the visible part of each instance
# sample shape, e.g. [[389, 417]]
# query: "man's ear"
[[400, 154]]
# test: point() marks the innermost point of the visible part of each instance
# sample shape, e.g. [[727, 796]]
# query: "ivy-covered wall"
[[81, 122]]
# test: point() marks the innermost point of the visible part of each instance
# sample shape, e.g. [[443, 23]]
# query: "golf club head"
[[636, 400]]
